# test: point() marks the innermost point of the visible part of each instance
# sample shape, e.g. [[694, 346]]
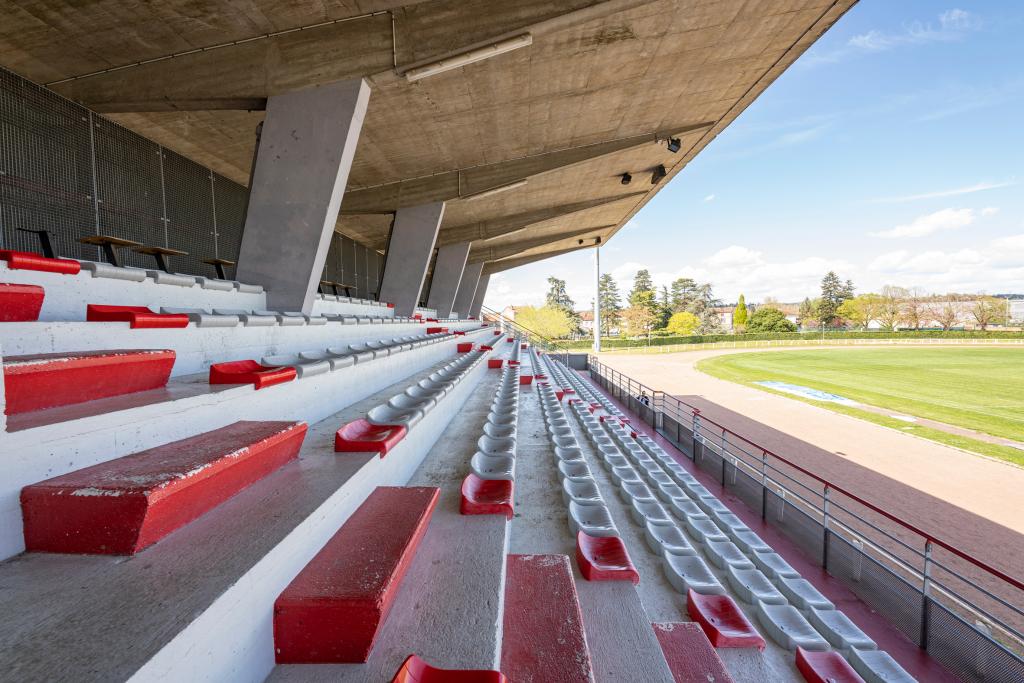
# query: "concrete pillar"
[[305, 152], [467, 288], [409, 250], [478, 296], [448, 269]]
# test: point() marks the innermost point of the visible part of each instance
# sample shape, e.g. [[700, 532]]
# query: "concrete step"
[[544, 638], [689, 654]]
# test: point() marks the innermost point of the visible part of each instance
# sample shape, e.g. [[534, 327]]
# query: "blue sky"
[[892, 152]]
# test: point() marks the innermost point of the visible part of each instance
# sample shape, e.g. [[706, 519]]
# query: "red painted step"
[[49, 380], [604, 558], [689, 654], [723, 621], [415, 670], [332, 611], [359, 436], [20, 303], [543, 638], [250, 372], [25, 260], [825, 667], [136, 316], [486, 496], [124, 505]]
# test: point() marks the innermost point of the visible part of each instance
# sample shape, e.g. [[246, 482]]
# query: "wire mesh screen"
[[190, 215], [949, 636]]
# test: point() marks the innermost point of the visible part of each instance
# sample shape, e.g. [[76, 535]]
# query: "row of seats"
[[232, 317], [488, 488], [337, 298], [789, 608], [387, 424]]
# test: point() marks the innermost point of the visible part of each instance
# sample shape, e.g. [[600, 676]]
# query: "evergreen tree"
[[808, 316], [641, 283], [683, 294], [611, 303], [739, 316], [664, 308], [558, 297], [833, 293], [643, 294]]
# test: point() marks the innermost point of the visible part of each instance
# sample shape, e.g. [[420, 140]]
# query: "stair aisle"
[[448, 610]]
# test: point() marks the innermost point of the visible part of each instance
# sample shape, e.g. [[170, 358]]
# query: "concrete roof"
[[584, 103]]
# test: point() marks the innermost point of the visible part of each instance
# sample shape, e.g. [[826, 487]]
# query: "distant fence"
[[773, 343], [964, 613]]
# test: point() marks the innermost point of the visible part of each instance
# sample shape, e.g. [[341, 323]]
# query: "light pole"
[[597, 298]]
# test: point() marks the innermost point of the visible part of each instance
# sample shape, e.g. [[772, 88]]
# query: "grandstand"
[[254, 426]]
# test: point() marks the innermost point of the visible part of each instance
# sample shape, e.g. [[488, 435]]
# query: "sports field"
[[979, 389]]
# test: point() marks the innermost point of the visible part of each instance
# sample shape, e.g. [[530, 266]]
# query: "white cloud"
[[967, 189], [1010, 243], [931, 223], [710, 198], [987, 269], [990, 211]]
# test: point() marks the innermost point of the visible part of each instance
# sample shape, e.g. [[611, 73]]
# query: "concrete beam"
[[484, 253], [305, 152], [467, 288], [409, 250], [510, 263], [448, 270], [479, 294], [506, 225], [464, 183]]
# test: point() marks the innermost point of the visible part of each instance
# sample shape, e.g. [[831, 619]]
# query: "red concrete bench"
[[543, 636], [360, 436], [333, 610], [723, 621], [415, 670], [486, 496], [124, 505], [25, 260], [250, 372], [20, 303], [49, 380], [136, 316], [604, 558], [689, 654], [825, 667]]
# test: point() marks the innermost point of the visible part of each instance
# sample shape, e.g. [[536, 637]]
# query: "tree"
[[890, 308], [664, 308], [683, 293], [808, 316], [989, 310], [739, 316], [641, 283], [558, 297], [771, 302], [611, 303], [638, 319], [833, 293], [547, 321], [913, 309], [946, 314], [683, 324], [769, 320], [710, 323], [860, 310]]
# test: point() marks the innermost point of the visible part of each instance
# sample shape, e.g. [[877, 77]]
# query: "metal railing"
[[965, 613], [538, 340]]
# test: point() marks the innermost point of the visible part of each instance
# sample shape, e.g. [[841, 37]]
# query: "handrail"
[[548, 342], [964, 555]]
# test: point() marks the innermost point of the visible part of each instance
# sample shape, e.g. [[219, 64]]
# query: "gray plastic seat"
[[685, 509], [636, 491], [488, 466], [583, 492], [214, 284], [803, 595], [336, 362], [407, 402], [388, 415], [624, 475], [696, 490], [560, 431], [163, 278], [248, 318], [786, 626], [248, 289], [725, 554], [649, 511], [416, 391], [667, 538], [106, 270], [729, 523], [569, 454], [501, 418], [748, 541], [689, 571], [839, 630], [593, 520], [497, 431], [614, 460], [773, 565], [491, 445], [753, 587], [704, 530], [565, 441], [877, 666], [203, 318], [302, 368], [670, 492], [575, 471]]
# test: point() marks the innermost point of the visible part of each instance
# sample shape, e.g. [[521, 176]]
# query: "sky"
[[891, 152]]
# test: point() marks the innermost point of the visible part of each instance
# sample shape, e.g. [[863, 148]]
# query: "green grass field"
[[978, 388]]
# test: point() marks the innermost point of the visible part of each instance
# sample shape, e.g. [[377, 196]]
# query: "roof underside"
[[569, 114]]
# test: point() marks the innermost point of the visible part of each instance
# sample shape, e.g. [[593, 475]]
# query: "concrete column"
[[409, 250], [467, 288], [305, 151], [448, 269], [478, 296]]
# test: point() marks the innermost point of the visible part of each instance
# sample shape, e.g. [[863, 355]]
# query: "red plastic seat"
[[485, 347], [250, 372], [459, 333], [124, 505], [20, 303], [559, 393], [497, 333], [722, 620], [135, 316], [437, 330], [522, 347], [513, 363], [526, 379], [825, 667], [431, 320], [486, 496], [360, 436], [510, 340], [494, 363], [50, 380], [604, 558], [464, 348], [25, 260], [415, 670], [540, 377]]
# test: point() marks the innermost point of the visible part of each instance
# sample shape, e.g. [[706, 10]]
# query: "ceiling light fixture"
[[674, 145], [495, 190], [626, 179], [658, 174], [468, 57]]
